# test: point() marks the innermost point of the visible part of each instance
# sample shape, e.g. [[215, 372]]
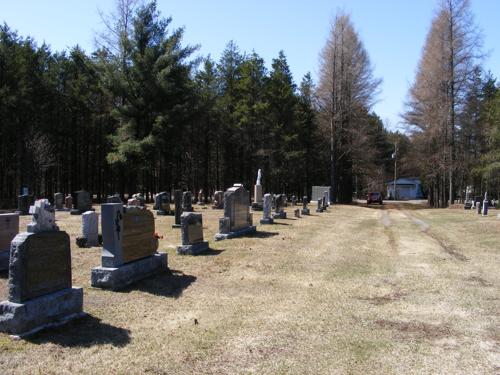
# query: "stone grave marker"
[[90, 230], [59, 201], [187, 201], [82, 202], [485, 205], [129, 249], [257, 196], [279, 210], [267, 209], [178, 208], [9, 228], [237, 218], [218, 200], [68, 202], [320, 205], [24, 202], [162, 203], [192, 234], [40, 287], [294, 200], [305, 210]]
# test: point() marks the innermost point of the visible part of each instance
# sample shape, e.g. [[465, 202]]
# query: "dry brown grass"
[[355, 290]]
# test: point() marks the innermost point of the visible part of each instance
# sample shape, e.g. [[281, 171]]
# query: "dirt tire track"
[[386, 221]]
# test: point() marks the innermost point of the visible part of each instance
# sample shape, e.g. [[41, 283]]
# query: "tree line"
[[143, 113]]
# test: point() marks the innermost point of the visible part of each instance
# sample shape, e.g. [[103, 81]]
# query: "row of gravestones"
[[40, 287]]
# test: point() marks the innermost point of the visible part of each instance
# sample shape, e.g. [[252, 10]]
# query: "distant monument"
[[257, 197]]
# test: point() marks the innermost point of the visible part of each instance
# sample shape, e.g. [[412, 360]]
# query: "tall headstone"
[[40, 289], [187, 202], [68, 202], [305, 210], [192, 234], [162, 203], [237, 218], [320, 205], [9, 228], [129, 249], [201, 198], [82, 202], [218, 201], [485, 205], [59, 201], [90, 230], [294, 200], [178, 208], [267, 209], [257, 195], [325, 200], [279, 210], [24, 202]]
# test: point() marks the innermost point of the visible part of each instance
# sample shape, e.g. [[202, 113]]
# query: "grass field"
[[357, 290]]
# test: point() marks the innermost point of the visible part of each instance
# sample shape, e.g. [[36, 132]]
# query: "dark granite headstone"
[[192, 234], [178, 207], [59, 201], [82, 202], [237, 219], [23, 204], [9, 228], [187, 202], [114, 199]]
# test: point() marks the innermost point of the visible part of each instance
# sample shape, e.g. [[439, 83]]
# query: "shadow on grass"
[[84, 332], [210, 252], [168, 284], [262, 234], [276, 223]]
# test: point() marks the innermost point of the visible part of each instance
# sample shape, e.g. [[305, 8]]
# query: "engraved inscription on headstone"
[[9, 228]]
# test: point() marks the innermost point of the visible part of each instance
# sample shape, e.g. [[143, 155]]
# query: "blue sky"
[[393, 31]]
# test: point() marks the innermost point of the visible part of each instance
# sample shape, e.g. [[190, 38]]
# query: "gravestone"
[[68, 202], [90, 230], [305, 210], [162, 203], [318, 192], [114, 199], [294, 200], [257, 195], [82, 202], [279, 210], [325, 200], [40, 290], [320, 205], [187, 201], [201, 199], [129, 249], [218, 200], [9, 228], [133, 202], [192, 234], [237, 218], [59, 201], [266, 211], [140, 198], [24, 202], [178, 208], [485, 205], [296, 212]]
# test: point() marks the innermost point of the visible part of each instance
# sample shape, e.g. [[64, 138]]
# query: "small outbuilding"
[[406, 189]]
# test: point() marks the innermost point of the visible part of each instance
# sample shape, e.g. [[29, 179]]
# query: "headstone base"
[[319, 210], [257, 206], [193, 249], [75, 211], [305, 211], [22, 319], [224, 236], [279, 215], [4, 260], [267, 221], [118, 278], [165, 213]]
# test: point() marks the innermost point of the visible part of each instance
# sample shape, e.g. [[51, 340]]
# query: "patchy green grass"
[[356, 290]]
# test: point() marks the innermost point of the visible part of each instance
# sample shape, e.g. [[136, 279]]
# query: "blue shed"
[[406, 189]]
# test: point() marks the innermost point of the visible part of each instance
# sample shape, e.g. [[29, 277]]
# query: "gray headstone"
[[114, 199], [43, 218], [82, 202], [68, 202], [90, 228], [178, 207], [320, 205], [162, 203], [236, 207], [23, 204], [187, 202], [267, 209], [305, 210], [59, 201], [218, 200]]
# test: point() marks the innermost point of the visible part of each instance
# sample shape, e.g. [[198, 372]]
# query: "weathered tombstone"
[[192, 234], [9, 228], [257, 196], [68, 202], [266, 210], [178, 208], [24, 202], [133, 202], [325, 200], [114, 199], [140, 198], [305, 210], [162, 203], [187, 201], [320, 205], [201, 199], [485, 204], [82, 202], [90, 230], [279, 211], [129, 249], [237, 218], [218, 200], [59, 201], [294, 200], [40, 289], [296, 212]]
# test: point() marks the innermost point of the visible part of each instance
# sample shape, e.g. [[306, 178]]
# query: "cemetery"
[[175, 207]]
